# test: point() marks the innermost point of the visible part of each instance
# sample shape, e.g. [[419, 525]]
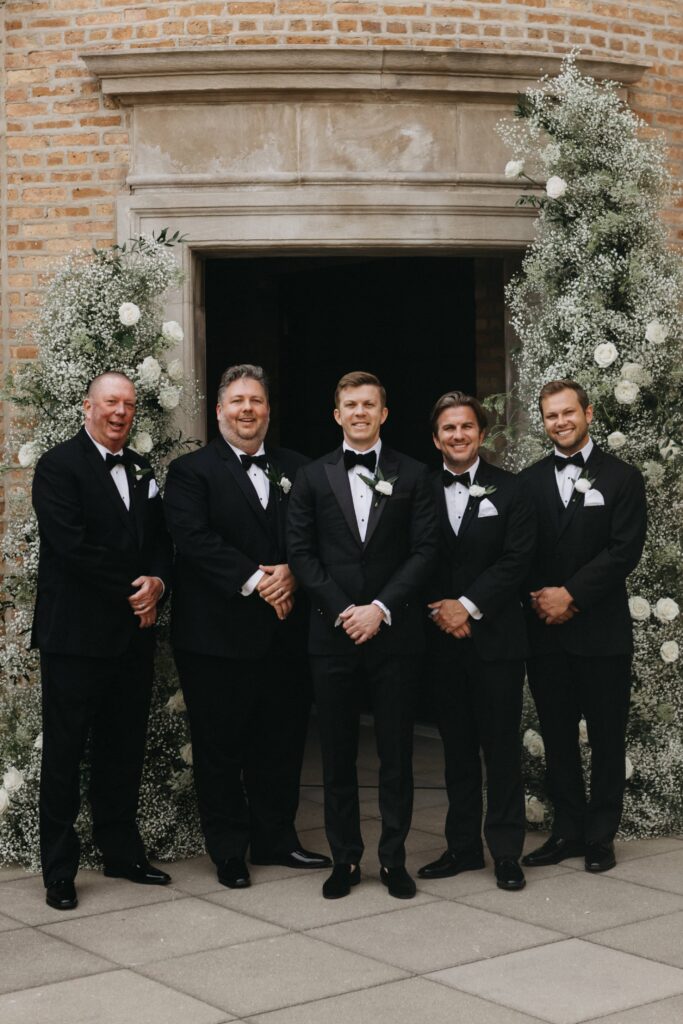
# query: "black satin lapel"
[[139, 495], [111, 490], [389, 468], [577, 499], [447, 530], [551, 493], [248, 490], [339, 482]]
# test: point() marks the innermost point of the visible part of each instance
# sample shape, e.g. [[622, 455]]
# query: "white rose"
[[666, 609], [129, 314], [656, 333], [535, 810], [637, 373], [513, 168], [186, 753], [38, 742], [626, 392], [383, 487], [628, 768], [616, 439], [28, 454], [556, 187], [605, 354], [172, 331], [175, 370], [583, 731], [12, 780], [142, 442], [582, 485], [4, 801], [169, 397], [285, 484], [669, 651], [149, 370], [476, 490], [654, 471], [534, 743], [639, 608], [176, 702]]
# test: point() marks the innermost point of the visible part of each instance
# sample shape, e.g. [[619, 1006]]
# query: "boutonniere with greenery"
[[583, 483], [383, 486], [279, 480], [140, 472], [477, 491]]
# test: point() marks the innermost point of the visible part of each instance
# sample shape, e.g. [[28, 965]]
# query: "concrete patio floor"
[[571, 947]]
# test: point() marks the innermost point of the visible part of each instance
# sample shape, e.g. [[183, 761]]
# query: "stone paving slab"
[[197, 875], [414, 1001], [120, 997], [663, 871], [434, 935], [660, 938], [8, 923], [28, 958], [577, 902], [663, 1011], [270, 973], [145, 934], [566, 982]]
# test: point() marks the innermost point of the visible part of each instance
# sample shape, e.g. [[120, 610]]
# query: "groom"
[[362, 537]]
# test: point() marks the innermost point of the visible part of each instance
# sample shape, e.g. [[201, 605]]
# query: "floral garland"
[[599, 300], [100, 312]]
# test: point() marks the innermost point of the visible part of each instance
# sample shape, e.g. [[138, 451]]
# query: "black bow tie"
[[254, 460], [120, 459], [367, 459], [455, 478], [572, 460]]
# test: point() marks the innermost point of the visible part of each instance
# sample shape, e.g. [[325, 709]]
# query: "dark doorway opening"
[[308, 320]]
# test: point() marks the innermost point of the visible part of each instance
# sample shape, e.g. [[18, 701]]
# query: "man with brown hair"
[[592, 521], [361, 541]]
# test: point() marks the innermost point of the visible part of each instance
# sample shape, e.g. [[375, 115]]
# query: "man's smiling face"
[[565, 420], [458, 437]]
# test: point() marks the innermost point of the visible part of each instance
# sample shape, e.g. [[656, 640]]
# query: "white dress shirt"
[[457, 497], [569, 474], [262, 487]]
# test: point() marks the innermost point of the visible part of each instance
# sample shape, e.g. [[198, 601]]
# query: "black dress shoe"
[[450, 864], [600, 856], [553, 851], [233, 873], [509, 875], [398, 882], [340, 881], [297, 858], [143, 873], [61, 895]]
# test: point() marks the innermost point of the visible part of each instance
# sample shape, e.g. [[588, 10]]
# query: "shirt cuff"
[[471, 608], [250, 586], [385, 611], [337, 621]]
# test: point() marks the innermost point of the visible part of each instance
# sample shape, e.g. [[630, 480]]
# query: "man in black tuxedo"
[[362, 538], [105, 562], [592, 521], [487, 537], [238, 634]]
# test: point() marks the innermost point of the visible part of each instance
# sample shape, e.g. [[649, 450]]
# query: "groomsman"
[[362, 538], [238, 635], [105, 561], [592, 521], [487, 535]]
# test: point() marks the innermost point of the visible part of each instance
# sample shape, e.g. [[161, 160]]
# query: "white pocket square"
[[487, 509], [593, 497]]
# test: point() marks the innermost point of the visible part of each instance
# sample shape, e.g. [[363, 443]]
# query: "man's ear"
[[337, 415]]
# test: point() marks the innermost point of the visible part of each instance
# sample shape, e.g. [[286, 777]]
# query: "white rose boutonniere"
[[278, 479], [477, 491], [533, 742], [383, 486], [666, 610], [556, 187], [513, 168], [656, 333], [626, 392], [605, 354], [639, 608], [535, 810], [129, 314], [669, 651], [172, 331], [582, 485], [12, 780]]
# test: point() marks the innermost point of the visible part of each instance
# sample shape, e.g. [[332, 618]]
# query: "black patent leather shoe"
[[340, 881], [398, 882], [297, 858], [509, 875], [553, 851], [143, 873], [600, 856], [450, 864], [61, 895], [234, 874]]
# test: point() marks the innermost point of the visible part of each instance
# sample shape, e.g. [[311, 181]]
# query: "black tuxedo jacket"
[[488, 562], [91, 549], [337, 569], [590, 550], [222, 534]]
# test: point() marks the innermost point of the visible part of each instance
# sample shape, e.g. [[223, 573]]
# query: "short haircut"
[[356, 379], [100, 377], [553, 387], [239, 371], [454, 399]]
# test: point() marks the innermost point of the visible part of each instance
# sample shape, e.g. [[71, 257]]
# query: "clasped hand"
[[451, 617], [361, 622], [277, 587], [145, 599], [553, 605]]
